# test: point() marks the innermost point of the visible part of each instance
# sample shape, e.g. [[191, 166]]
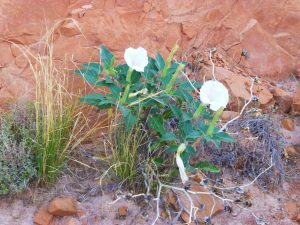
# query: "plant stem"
[[127, 88], [198, 111], [173, 79], [214, 121], [168, 61]]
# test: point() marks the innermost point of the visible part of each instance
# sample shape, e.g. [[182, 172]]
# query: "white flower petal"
[[214, 106], [183, 176], [215, 94], [136, 59]]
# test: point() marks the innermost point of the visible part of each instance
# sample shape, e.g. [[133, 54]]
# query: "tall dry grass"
[[60, 120]]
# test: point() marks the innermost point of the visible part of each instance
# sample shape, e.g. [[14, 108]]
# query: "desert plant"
[[126, 143], [61, 124], [151, 91], [17, 165]]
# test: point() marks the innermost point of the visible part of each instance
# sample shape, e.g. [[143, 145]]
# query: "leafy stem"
[[127, 88], [198, 111], [168, 61], [214, 121]]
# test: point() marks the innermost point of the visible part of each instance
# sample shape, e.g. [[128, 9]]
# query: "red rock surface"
[[62, 206], [268, 30], [43, 217]]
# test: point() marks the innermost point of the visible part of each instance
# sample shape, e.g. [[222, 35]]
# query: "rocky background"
[[252, 38]]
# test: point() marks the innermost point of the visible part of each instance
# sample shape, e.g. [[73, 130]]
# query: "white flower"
[[183, 176], [136, 58], [214, 94]]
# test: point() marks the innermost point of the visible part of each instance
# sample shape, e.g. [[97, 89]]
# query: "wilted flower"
[[214, 94], [183, 176], [136, 58], [143, 91]]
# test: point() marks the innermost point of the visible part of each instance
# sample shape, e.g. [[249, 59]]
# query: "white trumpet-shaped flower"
[[183, 176], [214, 94], [136, 58]]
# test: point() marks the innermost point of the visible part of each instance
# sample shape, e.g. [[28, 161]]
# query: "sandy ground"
[[99, 210]]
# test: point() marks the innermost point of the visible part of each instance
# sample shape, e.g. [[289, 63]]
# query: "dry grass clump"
[[258, 144]]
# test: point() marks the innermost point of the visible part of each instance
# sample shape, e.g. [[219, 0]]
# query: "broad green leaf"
[[157, 124], [150, 69], [106, 57], [193, 135], [186, 116], [176, 111], [190, 150], [185, 85], [172, 148], [130, 120], [168, 137], [115, 90], [89, 75], [135, 77], [206, 166], [223, 137], [92, 99], [94, 66], [159, 61], [185, 158], [124, 110], [184, 128]]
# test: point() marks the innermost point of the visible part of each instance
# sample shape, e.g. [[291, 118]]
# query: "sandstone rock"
[[204, 202], [43, 217], [268, 30], [283, 99], [296, 102], [288, 124], [71, 221], [290, 151], [291, 208], [198, 177], [228, 115], [264, 50], [69, 29], [62, 206], [122, 212]]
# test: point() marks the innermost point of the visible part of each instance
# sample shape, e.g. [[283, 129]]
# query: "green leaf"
[[89, 75], [185, 158], [159, 61], [190, 150], [157, 124], [193, 135], [124, 110], [186, 116], [150, 69], [184, 128], [130, 120], [92, 99], [106, 57], [135, 77], [96, 67], [186, 85], [115, 90], [222, 136], [206, 166], [168, 137], [172, 148], [176, 111], [159, 161], [105, 104]]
